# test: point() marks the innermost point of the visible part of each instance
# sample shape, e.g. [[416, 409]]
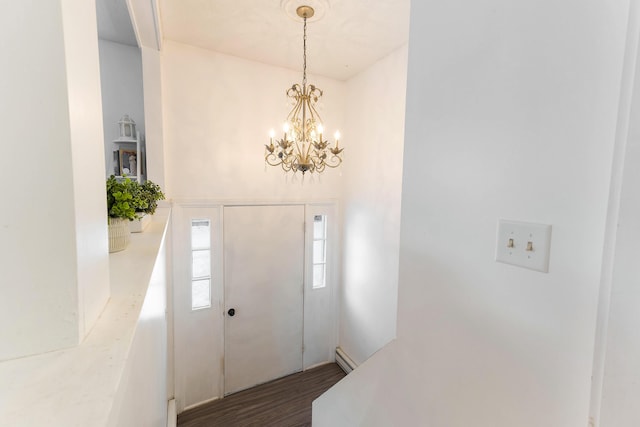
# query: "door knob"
[[231, 312]]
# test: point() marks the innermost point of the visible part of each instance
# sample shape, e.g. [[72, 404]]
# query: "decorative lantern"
[[127, 127]]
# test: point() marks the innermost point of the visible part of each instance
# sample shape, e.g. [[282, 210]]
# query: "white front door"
[[263, 286]]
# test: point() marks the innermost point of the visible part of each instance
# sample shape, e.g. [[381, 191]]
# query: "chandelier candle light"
[[302, 147]]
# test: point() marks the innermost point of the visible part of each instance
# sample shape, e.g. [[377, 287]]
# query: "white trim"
[[625, 103], [172, 417], [157, 23], [204, 402], [344, 361], [193, 202]]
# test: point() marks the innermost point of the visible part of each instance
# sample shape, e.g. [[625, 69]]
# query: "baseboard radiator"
[[344, 361]]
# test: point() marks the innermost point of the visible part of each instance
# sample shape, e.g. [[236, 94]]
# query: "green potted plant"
[[147, 196], [122, 199]]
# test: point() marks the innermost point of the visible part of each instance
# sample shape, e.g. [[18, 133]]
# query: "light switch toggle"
[[523, 244]]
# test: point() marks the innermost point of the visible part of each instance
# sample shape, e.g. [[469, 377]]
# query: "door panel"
[[198, 334], [263, 269]]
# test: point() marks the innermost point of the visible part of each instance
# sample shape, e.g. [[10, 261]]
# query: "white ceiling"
[[352, 34], [344, 38], [114, 23]]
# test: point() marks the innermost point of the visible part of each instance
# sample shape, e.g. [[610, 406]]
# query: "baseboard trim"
[[344, 361], [172, 417], [204, 402]]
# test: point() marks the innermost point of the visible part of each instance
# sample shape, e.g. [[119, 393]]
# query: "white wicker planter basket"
[[119, 234], [139, 224]]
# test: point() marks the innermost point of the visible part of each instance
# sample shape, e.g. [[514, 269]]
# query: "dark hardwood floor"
[[285, 402]]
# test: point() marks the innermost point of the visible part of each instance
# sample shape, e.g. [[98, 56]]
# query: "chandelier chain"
[[304, 54]]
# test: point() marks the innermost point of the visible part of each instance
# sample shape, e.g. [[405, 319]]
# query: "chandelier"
[[302, 147]]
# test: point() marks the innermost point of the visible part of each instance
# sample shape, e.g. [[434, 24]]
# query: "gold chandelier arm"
[[294, 90], [314, 93], [295, 112], [286, 166], [272, 159], [307, 152], [334, 162], [314, 112]]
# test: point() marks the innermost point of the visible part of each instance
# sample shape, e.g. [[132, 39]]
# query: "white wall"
[[122, 92], [375, 107], [621, 386], [51, 207], [511, 113], [85, 118], [218, 111], [617, 381]]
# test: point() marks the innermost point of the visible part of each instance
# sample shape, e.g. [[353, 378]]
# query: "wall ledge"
[[77, 386]]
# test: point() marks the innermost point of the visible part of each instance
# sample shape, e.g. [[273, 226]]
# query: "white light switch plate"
[[534, 256]]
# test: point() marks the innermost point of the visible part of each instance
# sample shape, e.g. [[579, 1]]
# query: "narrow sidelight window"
[[200, 264], [319, 255]]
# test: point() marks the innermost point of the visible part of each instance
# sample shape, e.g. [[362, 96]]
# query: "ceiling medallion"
[[290, 8]]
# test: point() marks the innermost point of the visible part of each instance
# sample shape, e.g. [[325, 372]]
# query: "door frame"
[[205, 364], [189, 395]]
